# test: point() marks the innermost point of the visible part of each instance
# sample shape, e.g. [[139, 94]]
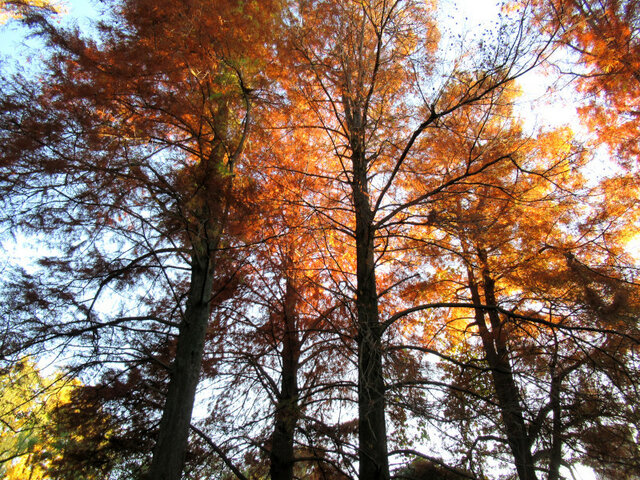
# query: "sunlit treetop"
[[601, 38]]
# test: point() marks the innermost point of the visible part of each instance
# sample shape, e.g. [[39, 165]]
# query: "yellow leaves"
[[631, 241], [26, 408], [511, 7], [14, 9], [553, 144]]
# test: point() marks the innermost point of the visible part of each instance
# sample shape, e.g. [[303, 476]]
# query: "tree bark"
[[210, 211], [171, 447], [555, 456], [286, 414], [495, 348], [372, 431]]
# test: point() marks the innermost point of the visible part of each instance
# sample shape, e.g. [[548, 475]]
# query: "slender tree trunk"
[[555, 456], [286, 415], [171, 447], [495, 348], [372, 431]]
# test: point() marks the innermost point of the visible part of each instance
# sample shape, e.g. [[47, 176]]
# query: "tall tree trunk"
[[495, 348], [555, 456], [372, 431], [171, 447], [210, 211], [286, 415]]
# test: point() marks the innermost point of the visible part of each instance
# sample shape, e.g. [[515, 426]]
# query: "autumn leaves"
[[287, 200]]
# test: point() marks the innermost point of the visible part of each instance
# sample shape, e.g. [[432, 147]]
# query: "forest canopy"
[[324, 239]]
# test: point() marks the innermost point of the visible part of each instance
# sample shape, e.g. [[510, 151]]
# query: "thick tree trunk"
[[372, 431], [495, 348], [286, 415], [171, 447]]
